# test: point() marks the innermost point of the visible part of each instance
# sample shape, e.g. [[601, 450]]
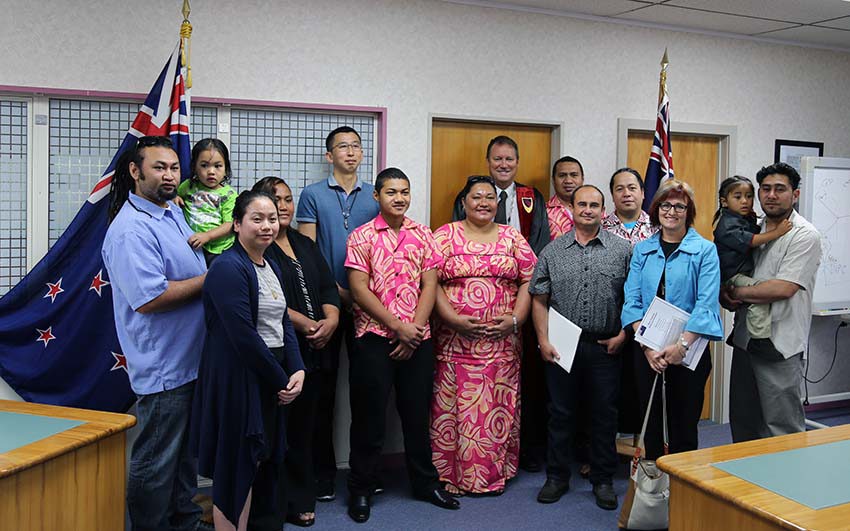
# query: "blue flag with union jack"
[[57, 334], [660, 165]]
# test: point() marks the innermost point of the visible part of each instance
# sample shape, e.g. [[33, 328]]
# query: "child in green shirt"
[[207, 199]]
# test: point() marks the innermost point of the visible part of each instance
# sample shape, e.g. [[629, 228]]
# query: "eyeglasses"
[[345, 147], [678, 207]]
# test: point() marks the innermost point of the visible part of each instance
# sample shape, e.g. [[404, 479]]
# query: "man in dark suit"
[[520, 206]]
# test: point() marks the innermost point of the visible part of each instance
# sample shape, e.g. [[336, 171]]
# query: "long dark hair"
[[122, 179], [726, 187]]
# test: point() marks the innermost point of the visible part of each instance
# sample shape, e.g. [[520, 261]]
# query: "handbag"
[[646, 505]]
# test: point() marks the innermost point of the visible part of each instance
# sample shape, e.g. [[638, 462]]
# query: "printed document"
[[662, 326]]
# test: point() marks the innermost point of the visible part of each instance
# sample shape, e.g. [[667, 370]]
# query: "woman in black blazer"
[[313, 306]]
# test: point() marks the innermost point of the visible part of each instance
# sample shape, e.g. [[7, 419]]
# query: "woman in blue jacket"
[[681, 267], [250, 366]]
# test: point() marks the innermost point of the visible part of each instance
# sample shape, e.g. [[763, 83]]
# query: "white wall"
[[421, 57]]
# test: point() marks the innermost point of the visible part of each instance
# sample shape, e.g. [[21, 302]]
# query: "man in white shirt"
[[765, 394]]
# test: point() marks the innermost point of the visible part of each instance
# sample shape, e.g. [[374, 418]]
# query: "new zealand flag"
[[660, 164], [57, 334]]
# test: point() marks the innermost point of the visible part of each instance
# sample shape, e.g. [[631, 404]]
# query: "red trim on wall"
[[381, 160]]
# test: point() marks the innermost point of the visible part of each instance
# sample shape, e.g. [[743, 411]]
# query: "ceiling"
[[813, 23]]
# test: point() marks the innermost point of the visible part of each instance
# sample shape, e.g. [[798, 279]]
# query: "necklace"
[[265, 282], [346, 213]]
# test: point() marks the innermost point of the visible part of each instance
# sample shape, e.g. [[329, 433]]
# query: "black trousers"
[[269, 491], [630, 418], [324, 456], [600, 372], [298, 465], [534, 397], [684, 404], [268, 498], [372, 373]]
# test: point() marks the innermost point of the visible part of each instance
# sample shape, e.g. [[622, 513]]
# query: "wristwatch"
[[683, 342]]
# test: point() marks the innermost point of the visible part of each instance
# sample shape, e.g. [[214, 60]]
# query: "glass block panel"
[[84, 136], [13, 193], [291, 145]]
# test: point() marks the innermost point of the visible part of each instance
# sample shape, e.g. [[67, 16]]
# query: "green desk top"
[[19, 429], [816, 476]]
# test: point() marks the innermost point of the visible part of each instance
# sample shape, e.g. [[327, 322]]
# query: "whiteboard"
[[825, 202]]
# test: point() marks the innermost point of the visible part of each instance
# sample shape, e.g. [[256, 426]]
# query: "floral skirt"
[[475, 418]]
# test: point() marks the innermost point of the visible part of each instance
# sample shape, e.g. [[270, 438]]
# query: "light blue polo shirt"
[[146, 247], [326, 204]]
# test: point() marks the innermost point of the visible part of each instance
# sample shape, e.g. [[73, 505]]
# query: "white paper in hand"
[[662, 325], [564, 336]]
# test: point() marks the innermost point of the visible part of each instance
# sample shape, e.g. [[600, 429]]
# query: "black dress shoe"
[[530, 463], [378, 488], [552, 490], [359, 508], [606, 498], [442, 499]]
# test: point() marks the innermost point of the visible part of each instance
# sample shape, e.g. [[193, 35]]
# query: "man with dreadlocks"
[[156, 279]]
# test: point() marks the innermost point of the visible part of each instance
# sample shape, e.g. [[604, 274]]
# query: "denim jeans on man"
[[163, 474]]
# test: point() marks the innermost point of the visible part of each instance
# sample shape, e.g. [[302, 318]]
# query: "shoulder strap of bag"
[[664, 411], [640, 446]]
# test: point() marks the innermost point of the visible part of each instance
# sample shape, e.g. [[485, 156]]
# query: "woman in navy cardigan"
[[312, 302], [250, 367]]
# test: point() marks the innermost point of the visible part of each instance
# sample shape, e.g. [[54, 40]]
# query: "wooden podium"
[[74, 479], [703, 497]]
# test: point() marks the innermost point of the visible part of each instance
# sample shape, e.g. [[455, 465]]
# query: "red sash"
[[525, 206]]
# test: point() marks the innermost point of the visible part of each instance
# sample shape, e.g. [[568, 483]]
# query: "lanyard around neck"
[[346, 213]]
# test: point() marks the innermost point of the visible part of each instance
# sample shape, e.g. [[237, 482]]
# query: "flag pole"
[[660, 165], [662, 84], [186, 49]]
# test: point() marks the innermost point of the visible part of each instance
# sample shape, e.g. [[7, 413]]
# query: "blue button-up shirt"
[[326, 204], [146, 247], [691, 279]]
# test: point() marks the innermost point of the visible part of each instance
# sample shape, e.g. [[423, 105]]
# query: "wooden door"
[[459, 149], [695, 161]]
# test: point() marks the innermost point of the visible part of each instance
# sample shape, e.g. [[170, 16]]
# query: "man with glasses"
[[764, 396], [328, 211], [156, 281]]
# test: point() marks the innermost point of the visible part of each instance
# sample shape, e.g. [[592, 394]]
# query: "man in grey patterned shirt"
[[581, 276]]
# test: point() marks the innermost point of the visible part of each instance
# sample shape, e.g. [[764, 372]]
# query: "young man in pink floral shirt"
[[567, 175], [392, 266]]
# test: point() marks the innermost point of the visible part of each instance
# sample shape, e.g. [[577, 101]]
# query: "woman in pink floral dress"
[[481, 307]]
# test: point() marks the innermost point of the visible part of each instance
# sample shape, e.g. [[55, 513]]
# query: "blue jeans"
[[163, 474]]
